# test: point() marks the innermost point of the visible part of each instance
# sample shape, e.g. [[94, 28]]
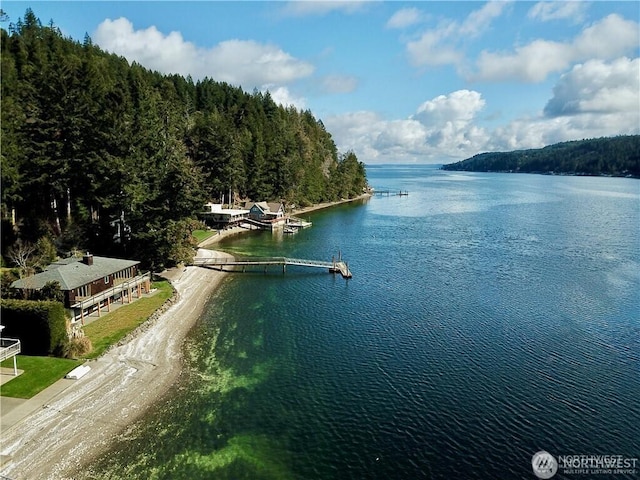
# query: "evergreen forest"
[[615, 156], [102, 155]]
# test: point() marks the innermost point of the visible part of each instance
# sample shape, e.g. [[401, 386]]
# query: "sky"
[[395, 82]]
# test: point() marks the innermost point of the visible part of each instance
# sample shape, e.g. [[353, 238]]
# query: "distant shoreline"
[[295, 212], [551, 173], [321, 206]]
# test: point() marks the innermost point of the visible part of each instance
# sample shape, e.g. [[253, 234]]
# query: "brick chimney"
[[87, 259]]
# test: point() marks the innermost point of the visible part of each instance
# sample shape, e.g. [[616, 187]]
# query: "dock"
[[389, 193], [220, 263]]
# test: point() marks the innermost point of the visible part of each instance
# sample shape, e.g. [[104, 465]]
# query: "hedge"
[[40, 326]]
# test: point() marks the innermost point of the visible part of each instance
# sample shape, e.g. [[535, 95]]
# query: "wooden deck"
[[334, 267]]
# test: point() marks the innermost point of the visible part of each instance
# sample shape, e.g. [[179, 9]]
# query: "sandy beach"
[[83, 420]]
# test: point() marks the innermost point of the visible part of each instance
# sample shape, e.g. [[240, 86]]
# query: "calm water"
[[490, 316]]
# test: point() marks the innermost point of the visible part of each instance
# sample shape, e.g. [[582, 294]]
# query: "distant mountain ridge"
[[615, 156]]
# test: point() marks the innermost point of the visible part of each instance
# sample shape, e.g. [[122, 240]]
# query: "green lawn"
[[111, 328], [39, 373], [202, 235]]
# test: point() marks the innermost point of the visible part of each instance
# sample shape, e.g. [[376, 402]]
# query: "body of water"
[[490, 316]]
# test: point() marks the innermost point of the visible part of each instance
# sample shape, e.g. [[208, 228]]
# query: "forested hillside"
[[88, 138], [618, 156]]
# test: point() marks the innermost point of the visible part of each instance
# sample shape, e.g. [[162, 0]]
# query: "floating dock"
[[333, 267], [390, 193]]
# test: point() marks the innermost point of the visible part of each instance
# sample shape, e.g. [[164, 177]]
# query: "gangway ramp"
[[333, 266]]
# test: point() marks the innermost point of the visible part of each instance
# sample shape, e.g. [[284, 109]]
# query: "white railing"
[[124, 286], [9, 347], [261, 261]]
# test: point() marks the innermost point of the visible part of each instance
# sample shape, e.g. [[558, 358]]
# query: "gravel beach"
[[82, 421]]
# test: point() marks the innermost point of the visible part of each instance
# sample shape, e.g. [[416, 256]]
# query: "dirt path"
[[84, 419]]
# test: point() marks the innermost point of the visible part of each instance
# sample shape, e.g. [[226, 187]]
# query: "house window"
[[83, 291], [106, 280], [122, 274]]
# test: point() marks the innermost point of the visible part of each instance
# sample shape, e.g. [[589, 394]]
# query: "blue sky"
[[396, 82]]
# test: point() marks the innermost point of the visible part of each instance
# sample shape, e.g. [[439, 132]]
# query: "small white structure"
[[9, 347], [78, 372], [218, 216]]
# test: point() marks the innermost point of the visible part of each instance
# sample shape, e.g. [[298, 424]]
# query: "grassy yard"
[[116, 325], [40, 372], [202, 235]]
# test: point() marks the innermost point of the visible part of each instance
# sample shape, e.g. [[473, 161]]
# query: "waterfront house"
[[216, 216], [90, 283], [267, 212]]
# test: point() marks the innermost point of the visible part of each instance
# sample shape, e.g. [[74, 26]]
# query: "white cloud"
[[442, 128], [480, 20], [546, 11], [459, 107], [609, 38], [284, 97], [597, 87], [435, 47], [249, 63], [357, 131], [539, 132], [240, 62], [531, 63], [148, 47], [404, 17], [407, 136], [593, 100], [441, 45]]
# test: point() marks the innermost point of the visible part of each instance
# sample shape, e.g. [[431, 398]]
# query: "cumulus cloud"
[[442, 128], [609, 38], [357, 131], [459, 107], [531, 63], [539, 132], [240, 62], [441, 45], [546, 11], [284, 97], [246, 62], [596, 99], [435, 47], [597, 87]]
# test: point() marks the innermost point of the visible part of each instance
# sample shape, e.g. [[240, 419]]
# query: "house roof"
[[274, 207], [268, 207], [263, 206], [72, 272]]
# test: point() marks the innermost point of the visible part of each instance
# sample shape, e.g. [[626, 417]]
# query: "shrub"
[[78, 347], [40, 326]]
